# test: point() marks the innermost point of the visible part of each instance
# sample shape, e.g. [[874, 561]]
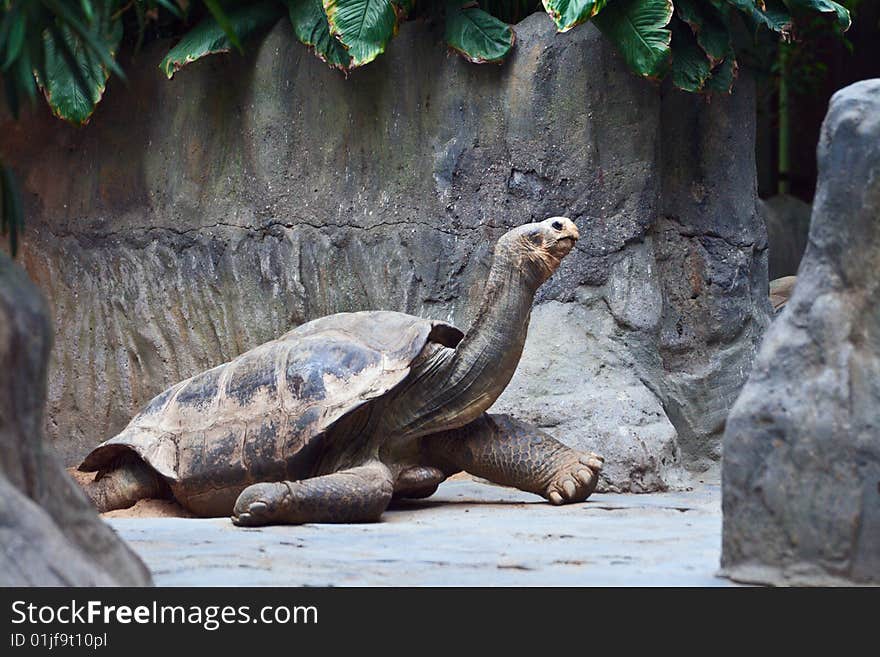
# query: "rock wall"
[[801, 486], [50, 535], [196, 218], [788, 224]]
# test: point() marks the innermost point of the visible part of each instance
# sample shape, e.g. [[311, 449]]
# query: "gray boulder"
[[214, 212], [801, 472], [788, 223], [50, 535]]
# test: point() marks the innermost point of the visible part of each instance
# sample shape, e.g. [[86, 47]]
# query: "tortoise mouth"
[[565, 244]]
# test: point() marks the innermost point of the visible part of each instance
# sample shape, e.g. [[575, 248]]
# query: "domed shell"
[[264, 415]]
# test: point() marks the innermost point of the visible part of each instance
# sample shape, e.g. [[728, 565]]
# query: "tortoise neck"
[[486, 358], [456, 386]]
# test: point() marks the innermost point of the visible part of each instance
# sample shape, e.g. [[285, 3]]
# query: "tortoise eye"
[[557, 225]]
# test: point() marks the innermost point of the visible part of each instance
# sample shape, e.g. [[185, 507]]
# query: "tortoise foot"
[[358, 494], [575, 479], [418, 482], [259, 504]]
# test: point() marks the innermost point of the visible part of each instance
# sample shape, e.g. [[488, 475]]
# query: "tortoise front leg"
[[357, 495], [509, 452], [418, 482]]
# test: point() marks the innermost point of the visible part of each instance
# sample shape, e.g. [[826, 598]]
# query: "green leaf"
[[690, 65], [745, 6], [723, 75], [15, 38], [476, 35], [310, 26], [223, 21], [775, 17], [825, 6], [363, 26], [638, 29], [91, 38], [568, 13], [72, 80], [20, 78], [88, 12], [209, 37], [708, 25], [170, 7]]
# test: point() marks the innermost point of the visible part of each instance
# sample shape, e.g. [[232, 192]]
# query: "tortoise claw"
[[593, 461], [576, 477], [257, 504], [245, 519], [258, 507], [584, 476]]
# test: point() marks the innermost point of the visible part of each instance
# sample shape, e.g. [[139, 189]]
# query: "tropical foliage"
[[66, 49]]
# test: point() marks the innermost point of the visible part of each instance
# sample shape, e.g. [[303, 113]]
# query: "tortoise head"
[[541, 246]]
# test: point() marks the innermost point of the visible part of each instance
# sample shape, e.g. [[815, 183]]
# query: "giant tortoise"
[[333, 419]]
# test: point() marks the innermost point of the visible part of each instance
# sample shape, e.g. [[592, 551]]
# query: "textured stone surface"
[[468, 534], [50, 534], [215, 211], [788, 223], [578, 384], [802, 445]]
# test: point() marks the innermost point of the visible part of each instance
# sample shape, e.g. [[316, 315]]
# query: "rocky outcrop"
[[215, 211], [788, 223], [801, 484], [50, 535]]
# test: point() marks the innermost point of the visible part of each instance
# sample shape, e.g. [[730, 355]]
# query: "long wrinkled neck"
[[487, 357], [455, 386]]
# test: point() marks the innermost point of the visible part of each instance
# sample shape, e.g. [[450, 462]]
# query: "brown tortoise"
[[330, 421]]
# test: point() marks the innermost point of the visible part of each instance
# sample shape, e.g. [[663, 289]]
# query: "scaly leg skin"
[[418, 482], [357, 495], [513, 453], [125, 484]]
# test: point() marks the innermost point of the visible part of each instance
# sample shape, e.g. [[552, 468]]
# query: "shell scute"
[[159, 401], [262, 457], [200, 391], [252, 377]]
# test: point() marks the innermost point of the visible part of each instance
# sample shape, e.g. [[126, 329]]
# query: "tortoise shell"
[[264, 416]]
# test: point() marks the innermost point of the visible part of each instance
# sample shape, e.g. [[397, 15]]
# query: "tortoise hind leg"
[[124, 484], [509, 452], [356, 495]]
